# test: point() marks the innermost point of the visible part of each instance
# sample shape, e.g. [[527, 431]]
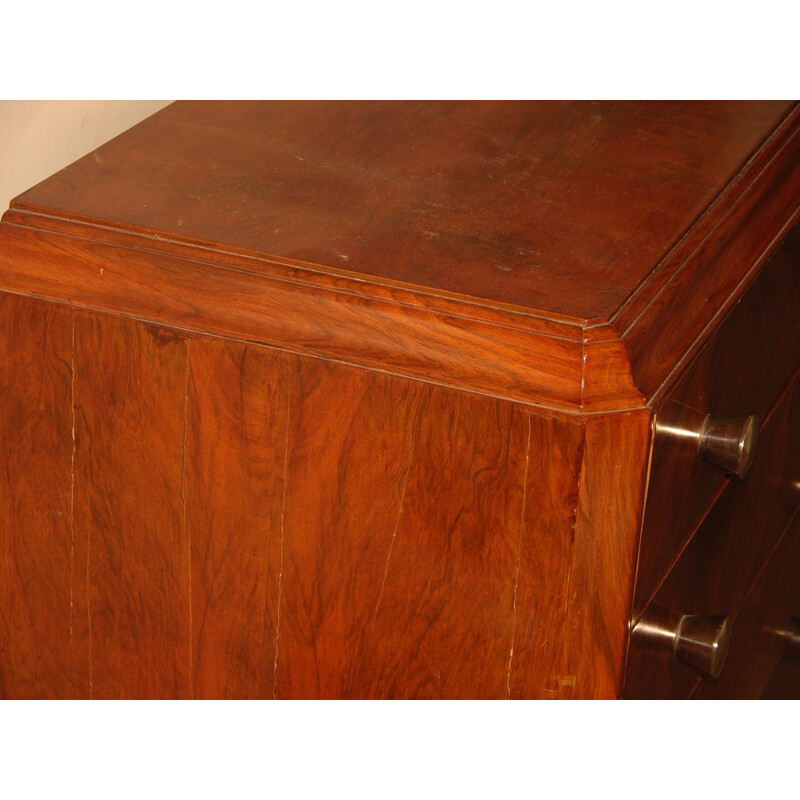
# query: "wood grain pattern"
[[502, 360], [759, 635], [400, 540], [237, 404], [551, 205], [606, 382], [490, 291], [586, 494], [356, 400], [672, 328], [35, 499], [287, 270], [131, 587], [728, 551], [554, 462], [740, 371], [255, 524], [607, 527]]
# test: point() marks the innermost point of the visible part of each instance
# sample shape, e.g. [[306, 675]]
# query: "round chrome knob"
[[729, 442], [703, 642]]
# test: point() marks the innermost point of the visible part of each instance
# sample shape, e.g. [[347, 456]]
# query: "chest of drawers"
[[394, 400]]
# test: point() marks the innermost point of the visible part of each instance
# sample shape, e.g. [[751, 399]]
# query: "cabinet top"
[[563, 208], [573, 255]]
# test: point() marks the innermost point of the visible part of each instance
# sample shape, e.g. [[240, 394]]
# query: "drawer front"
[[740, 371], [725, 556], [763, 628]]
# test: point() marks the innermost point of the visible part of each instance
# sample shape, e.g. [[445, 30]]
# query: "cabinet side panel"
[[607, 528], [547, 536], [400, 539], [348, 459], [35, 498], [131, 552], [237, 439]]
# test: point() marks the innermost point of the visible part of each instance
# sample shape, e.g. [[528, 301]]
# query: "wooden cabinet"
[[394, 400]]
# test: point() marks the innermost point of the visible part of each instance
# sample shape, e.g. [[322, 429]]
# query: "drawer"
[[724, 558], [763, 629], [740, 371]]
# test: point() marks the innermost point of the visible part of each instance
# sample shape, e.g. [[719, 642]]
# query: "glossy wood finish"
[[357, 400], [726, 555], [448, 349], [231, 541], [517, 203], [376, 593], [131, 581], [236, 408], [609, 517], [784, 683], [740, 371], [759, 637], [36, 550], [550, 295], [666, 334]]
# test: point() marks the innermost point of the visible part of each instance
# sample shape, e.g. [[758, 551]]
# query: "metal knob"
[[703, 643], [700, 641], [729, 442]]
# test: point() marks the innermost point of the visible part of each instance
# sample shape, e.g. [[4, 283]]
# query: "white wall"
[[40, 137]]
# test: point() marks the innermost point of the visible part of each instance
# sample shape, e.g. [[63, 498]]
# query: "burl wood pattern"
[[131, 580], [252, 524], [356, 400], [36, 492], [516, 358], [236, 406], [402, 522]]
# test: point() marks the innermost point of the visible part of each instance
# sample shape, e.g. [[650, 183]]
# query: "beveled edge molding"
[[294, 271], [632, 308], [412, 341], [571, 365], [675, 323]]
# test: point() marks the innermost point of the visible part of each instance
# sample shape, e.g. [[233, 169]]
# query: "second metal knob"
[[729, 442], [702, 642]]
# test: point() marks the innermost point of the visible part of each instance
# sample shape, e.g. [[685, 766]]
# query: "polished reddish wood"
[[398, 574], [726, 555], [131, 577], [416, 573], [740, 371], [545, 205], [670, 330], [36, 550], [250, 523], [237, 405], [518, 253], [784, 683], [608, 519], [362, 394], [407, 340], [761, 629]]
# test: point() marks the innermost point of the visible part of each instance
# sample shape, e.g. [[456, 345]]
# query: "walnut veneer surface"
[[319, 400]]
